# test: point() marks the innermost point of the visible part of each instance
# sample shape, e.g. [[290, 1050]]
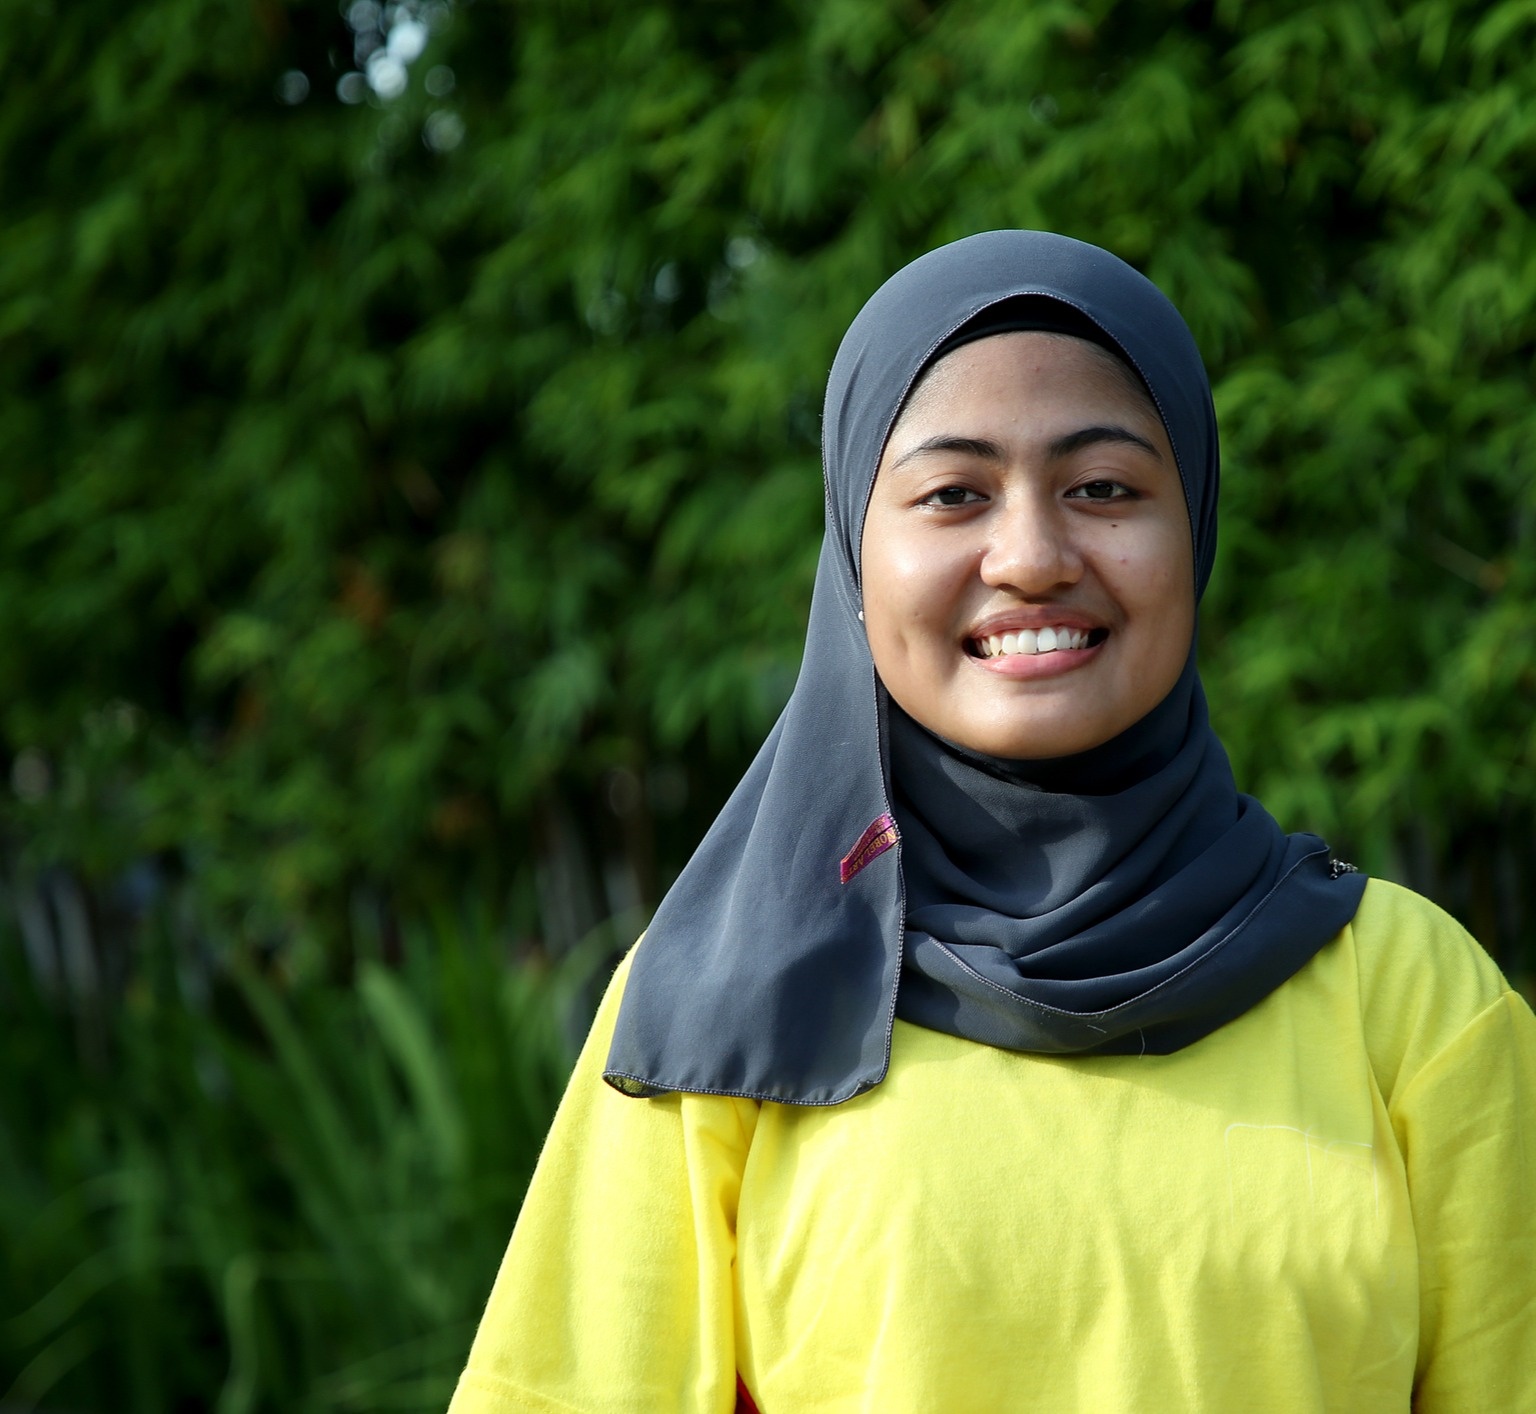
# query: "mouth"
[[1030, 642]]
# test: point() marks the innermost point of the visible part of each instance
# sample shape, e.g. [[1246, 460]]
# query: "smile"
[[1036, 641]]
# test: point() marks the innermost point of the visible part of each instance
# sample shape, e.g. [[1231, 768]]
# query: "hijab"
[[1124, 900]]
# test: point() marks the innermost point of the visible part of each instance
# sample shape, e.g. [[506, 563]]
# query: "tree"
[[399, 488]]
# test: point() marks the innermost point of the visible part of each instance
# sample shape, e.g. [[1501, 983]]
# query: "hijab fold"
[[1127, 899]]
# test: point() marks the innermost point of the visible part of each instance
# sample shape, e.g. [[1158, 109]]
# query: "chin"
[[1037, 742]]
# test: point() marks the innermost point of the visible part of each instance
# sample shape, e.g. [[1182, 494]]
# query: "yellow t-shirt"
[[1328, 1204]]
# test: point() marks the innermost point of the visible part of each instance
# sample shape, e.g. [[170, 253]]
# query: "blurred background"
[[409, 495]]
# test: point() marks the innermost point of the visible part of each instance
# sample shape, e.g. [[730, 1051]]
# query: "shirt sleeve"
[[1466, 1124], [617, 1289]]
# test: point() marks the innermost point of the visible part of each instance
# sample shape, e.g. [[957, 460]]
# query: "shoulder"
[[1424, 980], [592, 1105]]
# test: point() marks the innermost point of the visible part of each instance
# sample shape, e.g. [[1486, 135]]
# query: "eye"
[[950, 496], [1102, 491]]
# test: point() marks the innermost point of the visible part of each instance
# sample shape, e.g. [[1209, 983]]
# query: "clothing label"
[[874, 842]]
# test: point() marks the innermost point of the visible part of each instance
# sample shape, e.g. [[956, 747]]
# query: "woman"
[[992, 1052]]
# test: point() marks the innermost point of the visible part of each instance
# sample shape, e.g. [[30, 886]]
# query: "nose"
[[1031, 549]]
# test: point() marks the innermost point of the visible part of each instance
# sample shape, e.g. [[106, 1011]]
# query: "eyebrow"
[[1063, 446]]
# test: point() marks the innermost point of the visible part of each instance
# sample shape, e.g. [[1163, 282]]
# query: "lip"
[[1012, 620], [1029, 667]]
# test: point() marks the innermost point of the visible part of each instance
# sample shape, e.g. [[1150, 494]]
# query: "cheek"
[[906, 581], [1156, 573], [1154, 586]]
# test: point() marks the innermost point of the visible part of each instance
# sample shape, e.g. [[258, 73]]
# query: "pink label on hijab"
[[874, 842]]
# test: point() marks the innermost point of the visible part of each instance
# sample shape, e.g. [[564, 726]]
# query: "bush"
[[262, 1198]]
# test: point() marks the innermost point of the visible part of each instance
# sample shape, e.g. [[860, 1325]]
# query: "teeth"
[[1028, 640]]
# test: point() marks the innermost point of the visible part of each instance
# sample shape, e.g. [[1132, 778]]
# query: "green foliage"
[[382, 494], [268, 1198]]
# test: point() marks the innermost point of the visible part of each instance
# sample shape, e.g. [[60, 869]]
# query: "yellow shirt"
[[1328, 1204]]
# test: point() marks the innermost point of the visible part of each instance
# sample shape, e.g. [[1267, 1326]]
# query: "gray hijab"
[[1125, 900]]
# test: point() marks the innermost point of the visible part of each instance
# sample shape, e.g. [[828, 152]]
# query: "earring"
[[861, 615]]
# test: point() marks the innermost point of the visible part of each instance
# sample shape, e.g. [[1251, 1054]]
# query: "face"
[[1027, 568]]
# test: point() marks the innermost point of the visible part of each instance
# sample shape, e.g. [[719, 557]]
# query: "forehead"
[[1016, 363]]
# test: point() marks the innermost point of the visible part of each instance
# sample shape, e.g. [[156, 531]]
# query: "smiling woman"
[[1029, 586], [993, 1053]]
